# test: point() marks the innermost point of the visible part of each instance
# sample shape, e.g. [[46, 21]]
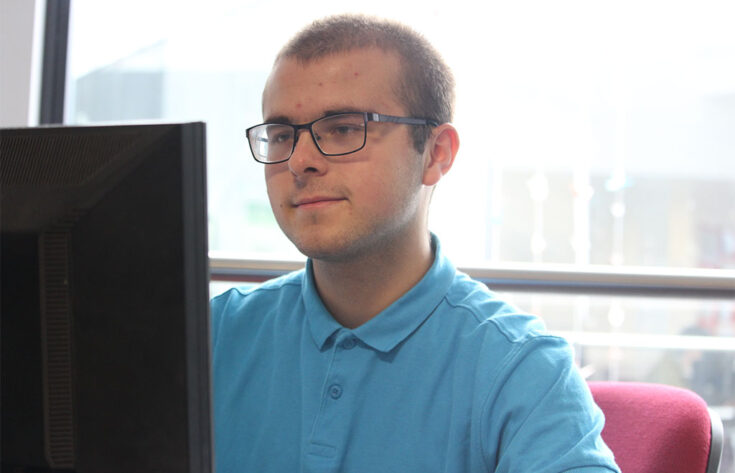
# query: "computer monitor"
[[105, 327]]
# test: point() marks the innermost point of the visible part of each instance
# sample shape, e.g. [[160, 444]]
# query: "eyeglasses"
[[334, 135]]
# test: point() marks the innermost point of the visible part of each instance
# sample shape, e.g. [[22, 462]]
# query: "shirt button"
[[335, 391], [349, 344]]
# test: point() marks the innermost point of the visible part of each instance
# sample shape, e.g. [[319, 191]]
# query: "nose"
[[306, 158]]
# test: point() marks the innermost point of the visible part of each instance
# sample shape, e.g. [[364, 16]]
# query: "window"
[[594, 135], [590, 133]]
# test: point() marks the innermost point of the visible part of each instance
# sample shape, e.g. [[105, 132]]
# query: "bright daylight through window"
[[593, 134]]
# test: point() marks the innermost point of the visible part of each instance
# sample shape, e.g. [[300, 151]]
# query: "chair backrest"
[[658, 428]]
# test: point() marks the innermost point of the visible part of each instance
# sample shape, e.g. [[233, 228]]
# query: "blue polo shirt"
[[447, 379]]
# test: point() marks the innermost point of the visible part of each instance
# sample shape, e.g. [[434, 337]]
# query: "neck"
[[357, 290]]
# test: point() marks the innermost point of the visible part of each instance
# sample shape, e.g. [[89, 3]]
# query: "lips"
[[316, 201]]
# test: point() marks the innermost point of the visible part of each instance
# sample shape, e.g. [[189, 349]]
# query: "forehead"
[[360, 79]]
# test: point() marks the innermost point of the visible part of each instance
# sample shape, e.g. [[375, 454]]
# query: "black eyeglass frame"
[[367, 116]]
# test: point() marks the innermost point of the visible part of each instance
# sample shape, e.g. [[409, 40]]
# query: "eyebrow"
[[283, 119], [278, 119], [342, 110]]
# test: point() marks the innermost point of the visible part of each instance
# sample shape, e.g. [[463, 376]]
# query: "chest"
[[346, 406]]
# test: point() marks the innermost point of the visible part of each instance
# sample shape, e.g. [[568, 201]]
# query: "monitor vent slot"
[[61, 159], [56, 314]]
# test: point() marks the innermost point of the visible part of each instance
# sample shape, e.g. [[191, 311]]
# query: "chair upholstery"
[[655, 428]]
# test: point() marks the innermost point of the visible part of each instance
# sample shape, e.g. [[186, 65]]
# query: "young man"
[[380, 356]]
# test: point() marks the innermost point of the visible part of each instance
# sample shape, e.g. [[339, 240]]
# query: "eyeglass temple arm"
[[377, 117]]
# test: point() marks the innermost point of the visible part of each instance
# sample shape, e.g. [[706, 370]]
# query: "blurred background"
[[596, 138]]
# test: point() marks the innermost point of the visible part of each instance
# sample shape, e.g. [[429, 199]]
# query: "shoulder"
[[507, 340], [253, 302], [491, 311], [527, 386], [233, 298]]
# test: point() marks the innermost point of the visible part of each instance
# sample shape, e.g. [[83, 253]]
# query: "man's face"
[[344, 207]]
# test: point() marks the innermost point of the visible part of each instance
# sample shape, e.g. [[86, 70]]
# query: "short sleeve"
[[540, 416]]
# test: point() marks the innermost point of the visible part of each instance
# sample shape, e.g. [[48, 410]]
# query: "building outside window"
[[596, 138]]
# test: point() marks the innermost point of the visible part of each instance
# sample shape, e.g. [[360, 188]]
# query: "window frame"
[[53, 69], [591, 280], [627, 280]]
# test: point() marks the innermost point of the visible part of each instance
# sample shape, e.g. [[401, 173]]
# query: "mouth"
[[316, 202]]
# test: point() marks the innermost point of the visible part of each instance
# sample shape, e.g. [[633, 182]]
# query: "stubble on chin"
[[350, 245], [329, 249]]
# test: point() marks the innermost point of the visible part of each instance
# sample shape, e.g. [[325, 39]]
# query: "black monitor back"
[[105, 330]]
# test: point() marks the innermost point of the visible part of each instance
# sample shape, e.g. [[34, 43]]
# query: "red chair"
[[653, 428]]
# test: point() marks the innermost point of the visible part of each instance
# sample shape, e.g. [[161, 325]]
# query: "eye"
[[279, 135], [281, 138], [343, 129], [344, 125]]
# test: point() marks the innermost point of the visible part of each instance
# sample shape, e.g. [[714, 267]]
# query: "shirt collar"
[[393, 325], [321, 322]]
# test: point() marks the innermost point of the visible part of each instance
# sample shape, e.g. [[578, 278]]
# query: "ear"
[[441, 148]]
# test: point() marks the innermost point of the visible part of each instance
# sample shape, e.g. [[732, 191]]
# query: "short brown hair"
[[427, 85]]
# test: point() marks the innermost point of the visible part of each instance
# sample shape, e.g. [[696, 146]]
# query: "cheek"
[[389, 192], [275, 188], [272, 171]]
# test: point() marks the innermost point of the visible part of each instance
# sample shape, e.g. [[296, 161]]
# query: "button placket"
[[336, 389], [331, 423]]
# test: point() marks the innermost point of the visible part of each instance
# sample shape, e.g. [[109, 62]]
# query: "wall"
[[21, 40]]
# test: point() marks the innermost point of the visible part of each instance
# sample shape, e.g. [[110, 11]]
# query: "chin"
[[324, 248], [324, 253], [344, 245]]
